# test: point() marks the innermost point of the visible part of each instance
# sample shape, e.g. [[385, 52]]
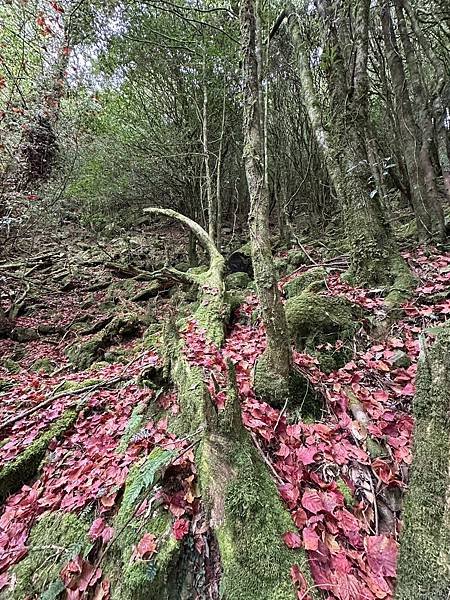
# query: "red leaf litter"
[[325, 475]]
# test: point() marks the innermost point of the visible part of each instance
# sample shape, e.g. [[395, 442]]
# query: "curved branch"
[[216, 260]]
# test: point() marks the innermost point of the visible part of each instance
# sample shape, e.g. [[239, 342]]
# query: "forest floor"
[[69, 436]]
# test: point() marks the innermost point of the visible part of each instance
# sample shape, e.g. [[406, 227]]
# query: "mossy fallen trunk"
[[131, 577], [245, 511], [25, 466], [424, 562]]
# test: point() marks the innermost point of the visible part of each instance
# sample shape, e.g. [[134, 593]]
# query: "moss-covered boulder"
[[122, 327], [10, 365], [234, 298], [237, 281], [317, 322], [311, 280], [43, 364], [296, 259], [54, 540]]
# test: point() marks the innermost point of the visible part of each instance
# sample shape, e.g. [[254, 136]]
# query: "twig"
[[266, 460]]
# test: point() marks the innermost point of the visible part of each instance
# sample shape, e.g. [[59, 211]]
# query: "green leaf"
[[53, 591], [148, 473]]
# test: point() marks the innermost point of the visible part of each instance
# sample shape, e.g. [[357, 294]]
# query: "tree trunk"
[[375, 256], [424, 120], [411, 135], [273, 369], [424, 562]]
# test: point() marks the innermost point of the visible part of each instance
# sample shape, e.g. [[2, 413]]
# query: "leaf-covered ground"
[[342, 489]]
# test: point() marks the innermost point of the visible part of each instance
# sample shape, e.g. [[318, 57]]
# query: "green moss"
[[10, 365], [316, 275], [132, 578], [152, 336], [69, 386], [296, 259], [43, 364], [237, 281], [134, 424], [201, 270], [281, 265], [234, 299], [268, 387], [24, 467], [191, 397], [255, 561], [84, 354], [54, 540], [402, 288], [314, 319], [5, 385], [424, 563], [346, 492]]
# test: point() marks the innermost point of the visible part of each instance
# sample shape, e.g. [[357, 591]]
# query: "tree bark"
[[410, 132], [425, 123], [424, 562], [375, 256], [275, 364]]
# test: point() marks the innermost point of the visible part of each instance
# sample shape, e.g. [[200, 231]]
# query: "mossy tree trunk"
[[424, 562], [340, 128], [245, 514], [276, 362]]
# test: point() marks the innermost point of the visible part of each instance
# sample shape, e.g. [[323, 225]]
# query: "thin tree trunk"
[[375, 257], [274, 367], [210, 197], [410, 132], [424, 120]]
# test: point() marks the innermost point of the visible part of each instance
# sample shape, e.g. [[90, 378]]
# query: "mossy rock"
[[10, 365], [281, 265], [237, 281], [316, 275], [54, 540], [296, 259], [84, 354], [43, 364], [316, 322], [25, 466], [234, 299], [125, 288], [314, 319]]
